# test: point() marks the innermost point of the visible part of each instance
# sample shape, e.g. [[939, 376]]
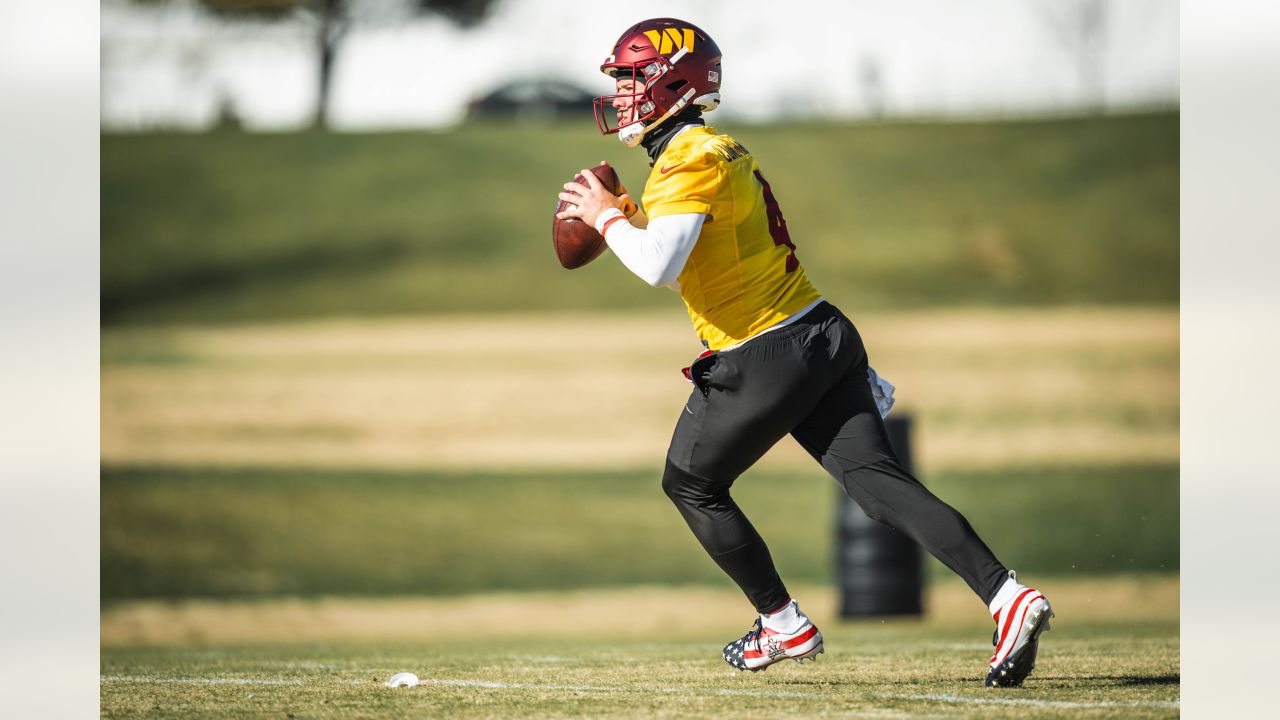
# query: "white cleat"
[[1018, 627]]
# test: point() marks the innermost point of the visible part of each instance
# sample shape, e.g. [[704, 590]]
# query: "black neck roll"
[[655, 141]]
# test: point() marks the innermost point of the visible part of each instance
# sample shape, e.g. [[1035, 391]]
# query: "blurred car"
[[536, 101]]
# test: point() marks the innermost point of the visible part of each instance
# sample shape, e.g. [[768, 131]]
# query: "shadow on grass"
[[1142, 679], [1111, 680], [316, 258]]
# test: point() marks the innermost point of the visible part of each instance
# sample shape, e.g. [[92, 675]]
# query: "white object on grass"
[[402, 680]]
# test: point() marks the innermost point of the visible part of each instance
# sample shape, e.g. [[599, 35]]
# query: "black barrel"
[[878, 569]]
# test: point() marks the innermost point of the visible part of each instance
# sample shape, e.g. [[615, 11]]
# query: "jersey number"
[[777, 225]]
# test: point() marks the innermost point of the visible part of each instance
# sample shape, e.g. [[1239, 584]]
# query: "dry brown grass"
[[619, 613], [990, 387]]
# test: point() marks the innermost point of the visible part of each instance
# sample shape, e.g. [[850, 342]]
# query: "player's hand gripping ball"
[[573, 227]]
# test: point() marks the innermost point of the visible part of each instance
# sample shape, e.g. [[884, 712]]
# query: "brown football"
[[576, 242]]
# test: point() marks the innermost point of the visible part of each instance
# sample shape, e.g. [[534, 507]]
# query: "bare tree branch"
[[334, 19]]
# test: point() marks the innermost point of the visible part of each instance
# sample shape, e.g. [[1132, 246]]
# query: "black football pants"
[[809, 379]]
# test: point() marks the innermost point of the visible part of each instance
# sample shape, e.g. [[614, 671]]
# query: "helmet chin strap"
[[631, 135]]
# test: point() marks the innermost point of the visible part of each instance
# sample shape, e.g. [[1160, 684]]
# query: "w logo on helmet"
[[668, 40]]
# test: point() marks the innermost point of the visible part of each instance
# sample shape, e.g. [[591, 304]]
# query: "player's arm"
[[654, 249], [655, 253], [679, 199]]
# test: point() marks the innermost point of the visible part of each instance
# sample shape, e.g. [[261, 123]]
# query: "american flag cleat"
[[762, 647]]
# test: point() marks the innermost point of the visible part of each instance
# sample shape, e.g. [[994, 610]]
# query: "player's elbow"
[[654, 274], [655, 279], [662, 277]]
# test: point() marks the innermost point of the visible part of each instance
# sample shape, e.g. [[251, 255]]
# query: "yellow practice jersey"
[[742, 276]]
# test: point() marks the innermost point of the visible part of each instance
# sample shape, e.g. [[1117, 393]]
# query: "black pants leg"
[[808, 379], [847, 436], [744, 401]]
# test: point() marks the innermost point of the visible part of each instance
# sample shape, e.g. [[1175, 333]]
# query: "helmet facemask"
[[634, 122]]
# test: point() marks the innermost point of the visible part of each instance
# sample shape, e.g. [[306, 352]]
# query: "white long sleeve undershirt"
[[657, 252]]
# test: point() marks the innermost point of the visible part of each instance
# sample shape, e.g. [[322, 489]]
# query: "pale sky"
[[169, 66]]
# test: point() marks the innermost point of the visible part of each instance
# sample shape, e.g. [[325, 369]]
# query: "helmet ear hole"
[[708, 102], [677, 86]]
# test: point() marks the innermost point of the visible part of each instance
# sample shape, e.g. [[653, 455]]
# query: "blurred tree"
[[1080, 27], [871, 80], [334, 18]]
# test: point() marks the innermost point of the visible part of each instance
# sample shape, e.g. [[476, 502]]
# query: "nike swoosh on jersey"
[[668, 168]]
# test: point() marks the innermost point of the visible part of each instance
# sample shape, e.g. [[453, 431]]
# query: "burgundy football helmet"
[[678, 63]]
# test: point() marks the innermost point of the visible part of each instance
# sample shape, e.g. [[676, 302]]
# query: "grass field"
[[989, 388], [356, 420], [171, 533], [231, 226], [1113, 652], [296, 458], [288, 509]]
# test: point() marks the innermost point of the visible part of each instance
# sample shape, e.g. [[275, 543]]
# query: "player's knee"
[[683, 486], [675, 482]]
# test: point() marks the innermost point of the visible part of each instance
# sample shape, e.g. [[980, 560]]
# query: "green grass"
[[228, 226], [170, 532], [1086, 669]]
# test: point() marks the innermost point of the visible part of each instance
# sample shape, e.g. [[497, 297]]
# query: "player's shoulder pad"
[[723, 148], [709, 155]]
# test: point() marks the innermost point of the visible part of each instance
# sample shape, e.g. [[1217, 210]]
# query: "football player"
[[779, 358]]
